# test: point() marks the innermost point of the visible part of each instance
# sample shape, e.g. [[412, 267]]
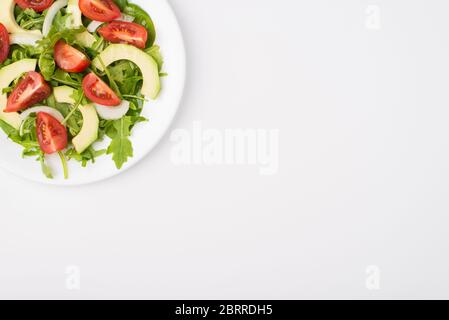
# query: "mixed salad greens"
[[73, 72]]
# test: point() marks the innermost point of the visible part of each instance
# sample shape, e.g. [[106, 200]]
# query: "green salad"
[[75, 72]]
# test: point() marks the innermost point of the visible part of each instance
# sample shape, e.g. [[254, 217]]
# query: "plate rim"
[[182, 76]]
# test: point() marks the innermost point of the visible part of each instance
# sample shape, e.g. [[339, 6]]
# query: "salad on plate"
[[73, 73]]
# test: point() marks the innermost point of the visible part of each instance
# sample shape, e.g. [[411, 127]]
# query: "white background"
[[363, 177]]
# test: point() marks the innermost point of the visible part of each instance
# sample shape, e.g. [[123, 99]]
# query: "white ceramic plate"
[[145, 136]]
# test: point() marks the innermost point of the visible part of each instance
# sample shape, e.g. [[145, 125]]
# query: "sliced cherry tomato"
[[99, 92], [4, 43], [36, 5], [51, 134], [100, 10], [125, 32], [70, 59], [30, 90]]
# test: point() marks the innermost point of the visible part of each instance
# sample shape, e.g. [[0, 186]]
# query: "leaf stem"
[[32, 22], [111, 80], [69, 83], [45, 169], [130, 96], [64, 165], [75, 107]]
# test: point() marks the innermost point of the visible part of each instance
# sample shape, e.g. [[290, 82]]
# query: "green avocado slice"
[[151, 82], [89, 130], [8, 19]]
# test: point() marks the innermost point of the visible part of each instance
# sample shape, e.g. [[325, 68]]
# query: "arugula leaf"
[[70, 79], [61, 22], [12, 133], [29, 19], [17, 53], [31, 152], [120, 147], [45, 168], [20, 53], [28, 139], [126, 76], [90, 154], [47, 65], [122, 4], [29, 142]]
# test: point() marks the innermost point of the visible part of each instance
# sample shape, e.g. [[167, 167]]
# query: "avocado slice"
[[76, 15], [151, 82], [89, 130], [9, 21], [85, 38], [7, 75], [63, 94]]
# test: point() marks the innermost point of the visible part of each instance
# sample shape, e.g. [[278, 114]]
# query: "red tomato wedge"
[[51, 134], [4, 43], [70, 59], [30, 90], [125, 32], [100, 10], [99, 92], [36, 5]]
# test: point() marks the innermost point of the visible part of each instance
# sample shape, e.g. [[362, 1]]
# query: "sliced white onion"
[[112, 113], [24, 39], [51, 111], [94, 25], [126, 18], [51, 13]]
